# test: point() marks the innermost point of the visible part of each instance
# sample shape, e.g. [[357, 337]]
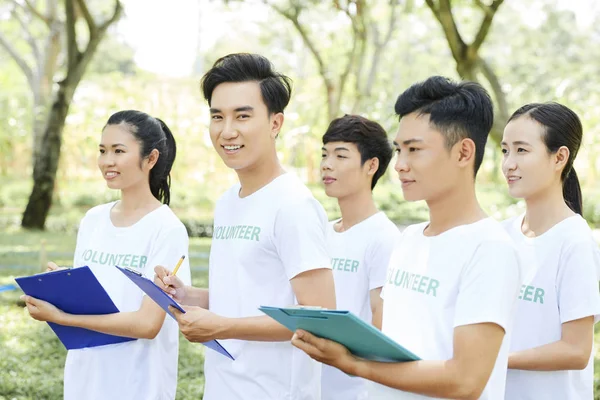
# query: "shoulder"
[[488, 242], [513, 223], [294, 197], [167, 220], [386, 226], [381, 230], [492, 244], [289, 185], [414, 230], [101, 211], [229, 194], [575, 231]]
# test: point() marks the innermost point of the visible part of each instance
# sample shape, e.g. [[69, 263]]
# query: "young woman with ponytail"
[[136, 153], [551, 346]]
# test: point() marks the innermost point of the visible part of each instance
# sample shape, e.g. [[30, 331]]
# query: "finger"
[[51, 266], [306, 347], [29, 300], [32, 309], [315, 341], [159, 282], [175, 311], [306, 336], [173, 281], [161, 271]]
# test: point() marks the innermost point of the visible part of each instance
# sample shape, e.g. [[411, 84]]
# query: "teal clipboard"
[[361, 338]]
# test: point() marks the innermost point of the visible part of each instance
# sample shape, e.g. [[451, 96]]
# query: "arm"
[[196, 297], [376, 307], [142, 324], [484, 306], [577, 289], [462, 377], [572, 351], [300, 242], [310, 287]]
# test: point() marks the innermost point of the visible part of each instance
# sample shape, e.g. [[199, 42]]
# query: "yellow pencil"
[[178, 265]]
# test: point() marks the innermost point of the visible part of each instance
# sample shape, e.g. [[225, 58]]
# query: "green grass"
[[31, 357]]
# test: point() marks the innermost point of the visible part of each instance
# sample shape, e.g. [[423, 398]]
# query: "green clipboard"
[[361, 338]]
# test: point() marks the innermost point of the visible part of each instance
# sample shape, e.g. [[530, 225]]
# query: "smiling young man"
[[355, 154], [452, 282], [268, 245]]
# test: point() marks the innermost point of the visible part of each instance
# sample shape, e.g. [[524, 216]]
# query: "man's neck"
[[259, 175], [355, 208], [454, 208]]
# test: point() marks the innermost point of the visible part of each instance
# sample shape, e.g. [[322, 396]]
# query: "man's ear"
[[372, 166], [465, 151], [276, 124]]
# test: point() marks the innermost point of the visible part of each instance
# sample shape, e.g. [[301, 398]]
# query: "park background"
[[66, 65]]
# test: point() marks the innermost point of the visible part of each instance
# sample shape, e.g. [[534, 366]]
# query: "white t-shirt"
[[139, 369], [466, 275], [560, 285], [260, 242], [359, 260]]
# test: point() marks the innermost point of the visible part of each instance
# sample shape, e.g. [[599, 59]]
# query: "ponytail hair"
[[152, 133], [562, 128], [572, 192]]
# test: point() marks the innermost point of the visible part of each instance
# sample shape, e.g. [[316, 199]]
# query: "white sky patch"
[[167, 35]]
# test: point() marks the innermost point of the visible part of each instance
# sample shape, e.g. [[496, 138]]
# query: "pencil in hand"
[[178, 265]]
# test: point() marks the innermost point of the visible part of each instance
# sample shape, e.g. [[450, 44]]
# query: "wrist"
[[226, 328], [63, 318], [353, 366]]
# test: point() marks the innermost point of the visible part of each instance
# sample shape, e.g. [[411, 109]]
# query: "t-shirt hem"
[[581, 312], [306, 268], [503, 324], [377, 285]]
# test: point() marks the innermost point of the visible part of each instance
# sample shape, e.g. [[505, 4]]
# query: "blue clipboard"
[[74, 291], [164, 301], [361, 338]]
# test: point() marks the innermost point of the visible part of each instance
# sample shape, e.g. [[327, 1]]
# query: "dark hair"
[[562, 127], [152, 133], [275, 88], [368, 136], [458, 110]]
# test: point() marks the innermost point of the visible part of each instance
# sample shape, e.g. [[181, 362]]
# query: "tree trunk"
[[46, 162]]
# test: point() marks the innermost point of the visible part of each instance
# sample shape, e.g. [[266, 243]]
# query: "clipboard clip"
[[133, 271]]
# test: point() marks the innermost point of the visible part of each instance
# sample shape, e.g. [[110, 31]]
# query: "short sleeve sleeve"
[[170, 245], [489, 286], [300, 237], [577, 282], [378, 259]]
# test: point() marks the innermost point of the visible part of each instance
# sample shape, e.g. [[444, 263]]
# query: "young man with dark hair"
[[355, 154], [452, 282], [268, 245]]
